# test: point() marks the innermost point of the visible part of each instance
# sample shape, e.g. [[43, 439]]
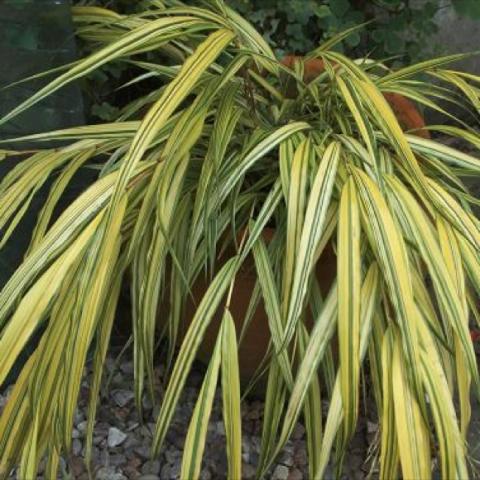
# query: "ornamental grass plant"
[[202, 164]]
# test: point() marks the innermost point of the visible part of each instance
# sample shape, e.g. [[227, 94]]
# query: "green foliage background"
[[401, 30], [400, 27], [298, 25]]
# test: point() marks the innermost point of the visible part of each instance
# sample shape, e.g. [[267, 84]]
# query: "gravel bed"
[[122, 439]]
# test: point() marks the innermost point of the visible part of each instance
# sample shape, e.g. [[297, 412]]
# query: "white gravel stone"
[[115, 437]]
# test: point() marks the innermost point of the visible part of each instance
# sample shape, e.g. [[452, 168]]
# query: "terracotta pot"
[[257, 336]]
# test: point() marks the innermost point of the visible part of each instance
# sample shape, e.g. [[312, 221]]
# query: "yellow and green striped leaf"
[[231, 397], [349, 299], [197, 430]]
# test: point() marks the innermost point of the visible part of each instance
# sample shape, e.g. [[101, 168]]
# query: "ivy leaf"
[[322, 11], [394, 43], [105, 111], [339, 7], [379, 35], [258, 16], [353, 40]]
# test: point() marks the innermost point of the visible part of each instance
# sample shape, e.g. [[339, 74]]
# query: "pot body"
[[257, 336]]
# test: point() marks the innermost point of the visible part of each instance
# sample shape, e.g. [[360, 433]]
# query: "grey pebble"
[[115, 437], [300, 457], [76, 447], [78, 417], [145, 431], [127, 368], [117, 379], [295, 474], [151, 467], [299, 432], [117, 460], [172, 455], [122, 397], [175, 471], [122, 438], [280, 473], [82, 426], [372, 427], [205, 474], [286, 458], [248, 471], [220, 429], [165, 471], [131, 442], [143, 451], [109, 473]]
